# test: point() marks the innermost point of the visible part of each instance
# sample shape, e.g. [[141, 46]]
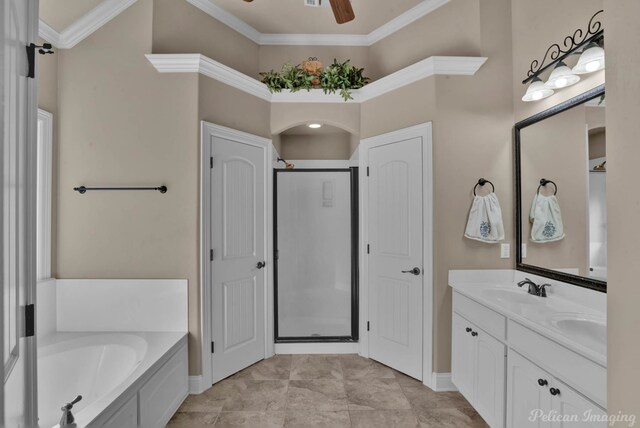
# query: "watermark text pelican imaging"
[[588, 416]]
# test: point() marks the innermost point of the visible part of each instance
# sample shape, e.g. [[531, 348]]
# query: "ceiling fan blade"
[[342, 10]]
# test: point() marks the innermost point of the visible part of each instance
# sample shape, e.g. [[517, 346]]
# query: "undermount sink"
[[582, 326], [508, 295]]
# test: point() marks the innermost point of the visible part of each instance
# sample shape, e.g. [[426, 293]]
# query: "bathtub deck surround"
[[547, 350], [121, 344], [334, 391]]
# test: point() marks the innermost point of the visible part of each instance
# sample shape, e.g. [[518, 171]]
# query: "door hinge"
[[213, 347], [211, 255], [211, 162], [367, 325], [367, 171], [29, 320], [368, 249]]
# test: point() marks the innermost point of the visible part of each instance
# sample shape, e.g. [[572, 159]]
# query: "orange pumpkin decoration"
[[313, 66]]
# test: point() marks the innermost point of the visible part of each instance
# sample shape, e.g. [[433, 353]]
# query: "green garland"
[[342, 77]]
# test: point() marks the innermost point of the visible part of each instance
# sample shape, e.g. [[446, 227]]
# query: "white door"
[[238, 236], [18, 23], [528, 397], [396, 254]]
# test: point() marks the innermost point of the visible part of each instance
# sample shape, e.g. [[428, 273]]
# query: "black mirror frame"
[[580, 281]]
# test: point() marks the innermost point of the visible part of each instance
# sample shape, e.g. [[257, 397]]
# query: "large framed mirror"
[[561, 218]]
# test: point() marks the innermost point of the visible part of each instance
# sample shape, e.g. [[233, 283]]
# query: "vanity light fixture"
[[591, 60], [315, 125], [588, 43], [561, 77], [537, 90]]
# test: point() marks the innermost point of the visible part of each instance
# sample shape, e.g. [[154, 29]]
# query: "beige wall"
[[556, 149], [123, 123], [452, 29], [287, 115], [48, 101], [623, 201], [598, 144], [179, 27], [313, 147]]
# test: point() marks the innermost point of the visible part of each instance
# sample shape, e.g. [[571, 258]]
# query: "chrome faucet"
[[67, 418], [534, 289]]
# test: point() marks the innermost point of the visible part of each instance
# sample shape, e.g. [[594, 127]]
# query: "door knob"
[[414, 271], [542, 382], [260, 265], [554, 391], [468, 329]]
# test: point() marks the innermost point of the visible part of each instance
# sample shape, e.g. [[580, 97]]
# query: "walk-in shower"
[[316, 247]]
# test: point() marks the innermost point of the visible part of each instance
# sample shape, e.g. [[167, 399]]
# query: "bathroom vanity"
[[523, 360]]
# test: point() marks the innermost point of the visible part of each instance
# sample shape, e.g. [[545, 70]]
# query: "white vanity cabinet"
[[478, 369], [537, 399], [506, 371]]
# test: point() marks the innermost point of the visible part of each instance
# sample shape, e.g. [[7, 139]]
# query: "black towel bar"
[[82, 189], [544, 182]]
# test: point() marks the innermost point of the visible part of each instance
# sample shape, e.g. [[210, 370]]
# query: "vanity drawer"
[[582, 374], [485, 318]]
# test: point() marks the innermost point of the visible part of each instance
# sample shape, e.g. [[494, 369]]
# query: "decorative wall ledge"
[[432, 66]]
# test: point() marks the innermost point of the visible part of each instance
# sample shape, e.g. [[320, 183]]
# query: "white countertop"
[[538, 313]]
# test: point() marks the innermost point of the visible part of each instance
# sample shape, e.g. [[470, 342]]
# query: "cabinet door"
[[528, 402], [462, 355], [489, 384], [574, 410]]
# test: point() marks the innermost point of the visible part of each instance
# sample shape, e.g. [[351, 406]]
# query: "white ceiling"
[[293, 17], [266, 16]]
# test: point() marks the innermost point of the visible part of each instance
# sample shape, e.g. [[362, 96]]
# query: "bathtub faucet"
[[67, 417]]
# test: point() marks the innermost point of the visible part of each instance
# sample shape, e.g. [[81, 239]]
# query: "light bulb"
[[592, 66], [315, 125]]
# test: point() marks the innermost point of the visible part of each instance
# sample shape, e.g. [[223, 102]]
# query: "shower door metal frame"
[[353, 179]]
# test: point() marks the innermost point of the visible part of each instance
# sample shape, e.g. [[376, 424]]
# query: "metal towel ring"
[[544, 182], [482, 182]]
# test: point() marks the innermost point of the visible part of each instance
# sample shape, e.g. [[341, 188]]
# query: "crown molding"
[[422, 9], [196, 63], [85, 26], [314, 39], [47, 32], [432, 66], [228, 19]]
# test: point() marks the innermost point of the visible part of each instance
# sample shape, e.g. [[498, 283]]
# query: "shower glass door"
[[316, 251]]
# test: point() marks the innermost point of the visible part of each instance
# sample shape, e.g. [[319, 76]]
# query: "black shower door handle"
[[414, 271]]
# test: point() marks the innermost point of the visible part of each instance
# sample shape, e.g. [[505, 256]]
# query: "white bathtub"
[[105, 368]]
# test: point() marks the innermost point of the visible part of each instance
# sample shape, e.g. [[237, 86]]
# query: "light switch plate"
[[505, 251]]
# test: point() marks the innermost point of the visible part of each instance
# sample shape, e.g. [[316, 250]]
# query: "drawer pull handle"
[[474, 333], [554, 391], [468, 329], [542, 382]]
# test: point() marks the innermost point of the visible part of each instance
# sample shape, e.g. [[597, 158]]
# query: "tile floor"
[[332, 391]]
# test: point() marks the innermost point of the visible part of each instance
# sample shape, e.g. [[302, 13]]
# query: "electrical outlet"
[[524, 251], [505, 251]]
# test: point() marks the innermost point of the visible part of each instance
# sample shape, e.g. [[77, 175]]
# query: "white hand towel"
[[546, 219], [485, 220]]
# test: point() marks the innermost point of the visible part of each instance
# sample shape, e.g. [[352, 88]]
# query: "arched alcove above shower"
[[325, 142]]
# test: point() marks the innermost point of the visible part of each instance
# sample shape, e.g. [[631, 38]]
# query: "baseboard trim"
[[197, 385], [317, 348], [442, 382]]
